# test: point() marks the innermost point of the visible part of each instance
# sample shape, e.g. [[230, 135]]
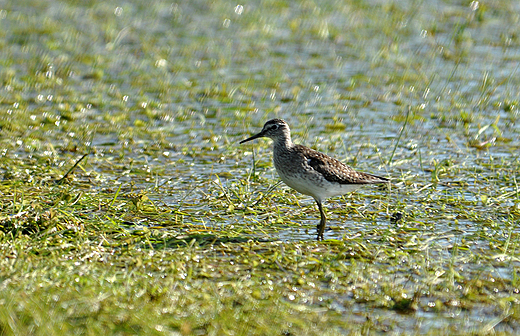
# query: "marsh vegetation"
[[168, 226]]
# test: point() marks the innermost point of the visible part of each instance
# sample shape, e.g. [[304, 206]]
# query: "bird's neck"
[[283, 143]]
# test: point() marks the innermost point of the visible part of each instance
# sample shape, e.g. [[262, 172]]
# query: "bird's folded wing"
[[337, 172]]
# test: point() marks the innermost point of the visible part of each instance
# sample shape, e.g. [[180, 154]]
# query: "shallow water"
[[162, 92]]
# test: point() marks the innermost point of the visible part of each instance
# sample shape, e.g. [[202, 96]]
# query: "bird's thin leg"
[[323, 220]]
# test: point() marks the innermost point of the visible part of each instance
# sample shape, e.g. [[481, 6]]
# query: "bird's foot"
[[320, 233]]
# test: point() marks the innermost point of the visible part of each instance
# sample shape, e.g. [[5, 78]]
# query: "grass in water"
[[168, 226]]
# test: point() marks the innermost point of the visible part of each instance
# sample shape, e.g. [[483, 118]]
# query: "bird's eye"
[[274, 127]]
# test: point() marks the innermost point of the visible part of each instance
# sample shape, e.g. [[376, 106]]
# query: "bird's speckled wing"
[[335, 171]]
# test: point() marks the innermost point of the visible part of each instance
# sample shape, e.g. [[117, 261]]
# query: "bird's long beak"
[[256, 136]]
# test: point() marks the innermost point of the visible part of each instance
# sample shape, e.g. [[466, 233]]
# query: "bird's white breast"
[[313, 184]]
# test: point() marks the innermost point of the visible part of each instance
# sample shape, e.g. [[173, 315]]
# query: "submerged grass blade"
[[399, 137], [72, 168]]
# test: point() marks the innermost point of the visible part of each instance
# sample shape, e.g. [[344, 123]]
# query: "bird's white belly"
[[316, 186]]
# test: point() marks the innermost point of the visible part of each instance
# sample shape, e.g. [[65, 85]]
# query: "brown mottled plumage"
[[311, 172], [333, 170]]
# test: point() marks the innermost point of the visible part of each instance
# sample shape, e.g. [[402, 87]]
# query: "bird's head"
[[275, 129]]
